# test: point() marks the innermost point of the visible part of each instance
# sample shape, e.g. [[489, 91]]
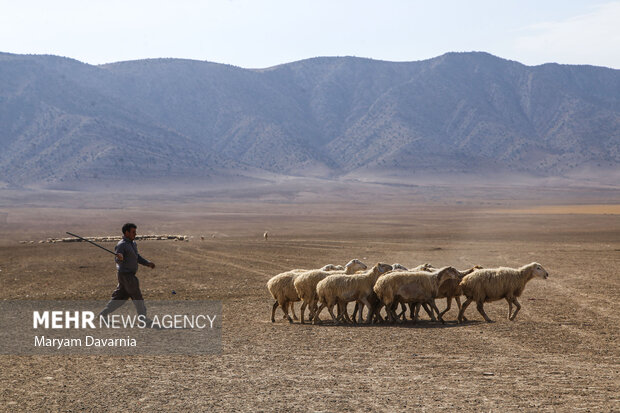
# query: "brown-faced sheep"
[[305, 285], [412, 287], [377, 305], [448, 290], [283, 291], [493, 284], [451, 289], [343, 288]]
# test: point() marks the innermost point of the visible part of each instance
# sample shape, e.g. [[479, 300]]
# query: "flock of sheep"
[[387, 286]]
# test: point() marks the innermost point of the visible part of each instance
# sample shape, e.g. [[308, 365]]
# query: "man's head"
[[129, 230]]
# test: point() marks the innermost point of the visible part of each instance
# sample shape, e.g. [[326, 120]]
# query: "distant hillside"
[[65, 121]]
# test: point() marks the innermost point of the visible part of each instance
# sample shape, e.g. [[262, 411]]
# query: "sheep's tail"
[[320, 296], [271, 290], [381, 295]]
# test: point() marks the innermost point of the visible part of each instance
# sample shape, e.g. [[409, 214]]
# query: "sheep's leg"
[[458, 304], [377, 312], [434, 307], [394, 307], [330, 308], [359, 316], [403, 309], [316, 318], [302, 311], [398, 317], [342, 313], [273, 312], [411, 311], [463, 308], [516, 303], [391, 314], [448, 305], [355, 310], [285, 307], [416, 315], [372, 311], [367, 304], [509, 301], [312, 308], [345, 312], [480, 307], [293, 311], [429, 311]]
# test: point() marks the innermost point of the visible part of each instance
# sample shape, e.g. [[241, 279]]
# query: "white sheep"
[[283, 291], [343, 288], [425, 267], [411, 287], [332, 267], [487, 285], [281, 288], [305, 284]]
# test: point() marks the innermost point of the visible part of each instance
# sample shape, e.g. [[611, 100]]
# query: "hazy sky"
[[262, 33]]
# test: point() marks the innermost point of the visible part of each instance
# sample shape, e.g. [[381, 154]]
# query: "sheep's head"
[[429, 267], [397, 266], [538, 271], [425, 267], [381, 268], [469, 271], [355, 265], [447, 273], [332, 267]]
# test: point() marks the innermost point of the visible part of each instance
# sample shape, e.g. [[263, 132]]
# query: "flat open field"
[[561, 354]]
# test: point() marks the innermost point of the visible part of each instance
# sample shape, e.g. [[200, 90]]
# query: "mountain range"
[[63, 121]]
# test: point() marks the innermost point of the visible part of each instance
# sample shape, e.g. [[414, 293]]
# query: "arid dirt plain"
[[561, 354]]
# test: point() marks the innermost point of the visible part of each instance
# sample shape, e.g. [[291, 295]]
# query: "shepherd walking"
[[127, 260]]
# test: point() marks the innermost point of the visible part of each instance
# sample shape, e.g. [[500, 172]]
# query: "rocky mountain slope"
[[65, 121]]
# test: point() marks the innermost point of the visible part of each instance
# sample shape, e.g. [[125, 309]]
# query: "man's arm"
[[118, 249], [143, 261]]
